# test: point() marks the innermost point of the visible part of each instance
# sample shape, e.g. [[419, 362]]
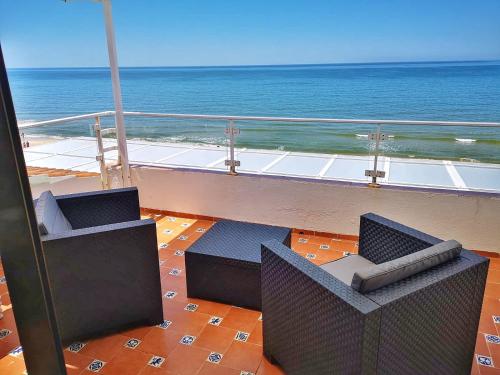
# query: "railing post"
[[375, 173], [231, 132], [100, 154], [375, 161]]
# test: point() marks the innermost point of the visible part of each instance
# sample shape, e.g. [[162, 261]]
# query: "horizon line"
[[268, 65]]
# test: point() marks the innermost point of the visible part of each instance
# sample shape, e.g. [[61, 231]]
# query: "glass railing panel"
[[175, 130], [180, 142], [70, 129], [444, 157], [296, 149]]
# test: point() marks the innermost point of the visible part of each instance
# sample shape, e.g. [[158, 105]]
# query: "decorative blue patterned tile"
[[214, 357], [484, 361], [185, 225], [168, 231], [241, 336], [163, 245], [16, 352], [496, 319], [170, 294], [201, 230], [179, 253], [215, 321], [191, 307], [132, 343], [165, 324], [156, 361], [303, 240], [76, 347], [324, 247], [182, 238], [4, 333], [187, 340], [492, 339], [310, 256], [96, 365], [175, 272]]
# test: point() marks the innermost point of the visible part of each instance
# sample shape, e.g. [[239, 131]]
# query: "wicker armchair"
[[425, 324], [104, 273]]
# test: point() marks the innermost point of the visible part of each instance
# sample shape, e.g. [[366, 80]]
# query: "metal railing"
[[232, 131]]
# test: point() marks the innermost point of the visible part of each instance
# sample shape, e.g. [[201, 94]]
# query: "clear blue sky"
[[51, 33]]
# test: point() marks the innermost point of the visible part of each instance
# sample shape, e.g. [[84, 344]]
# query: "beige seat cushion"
[[344, 268]]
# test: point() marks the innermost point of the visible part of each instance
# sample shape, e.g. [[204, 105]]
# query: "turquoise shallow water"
[[425, 91]]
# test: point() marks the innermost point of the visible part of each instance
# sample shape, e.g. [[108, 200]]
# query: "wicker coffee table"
[[224, 264]]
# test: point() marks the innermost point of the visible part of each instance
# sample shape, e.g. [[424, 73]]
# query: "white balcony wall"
[[326, 206]]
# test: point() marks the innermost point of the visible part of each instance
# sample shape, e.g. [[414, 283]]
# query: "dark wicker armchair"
[[104, 272], [424, 324]]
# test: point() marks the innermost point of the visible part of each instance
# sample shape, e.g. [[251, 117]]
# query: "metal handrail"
[[316, 120], [66, 119], [480, 124]]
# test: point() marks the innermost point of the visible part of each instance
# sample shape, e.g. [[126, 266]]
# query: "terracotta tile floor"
[[203, 341]]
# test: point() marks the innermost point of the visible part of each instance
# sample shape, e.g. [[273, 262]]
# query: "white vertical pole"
[[117, 94], [375, 161], [232, 130], [100, 153]]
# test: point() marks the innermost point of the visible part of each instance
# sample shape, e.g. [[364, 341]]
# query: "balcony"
[[192, 317], [185, 188]]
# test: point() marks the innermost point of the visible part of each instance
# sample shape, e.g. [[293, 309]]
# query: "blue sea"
[[463, 91]]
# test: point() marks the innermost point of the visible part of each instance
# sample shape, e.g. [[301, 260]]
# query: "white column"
[[117, 94]]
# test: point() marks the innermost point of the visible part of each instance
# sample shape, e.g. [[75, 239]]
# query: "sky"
[[52, 33]]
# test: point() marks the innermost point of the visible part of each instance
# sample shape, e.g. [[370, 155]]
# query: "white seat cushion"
[[51, 219]]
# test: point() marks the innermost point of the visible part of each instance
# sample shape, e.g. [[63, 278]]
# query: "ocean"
[[462, 91]]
